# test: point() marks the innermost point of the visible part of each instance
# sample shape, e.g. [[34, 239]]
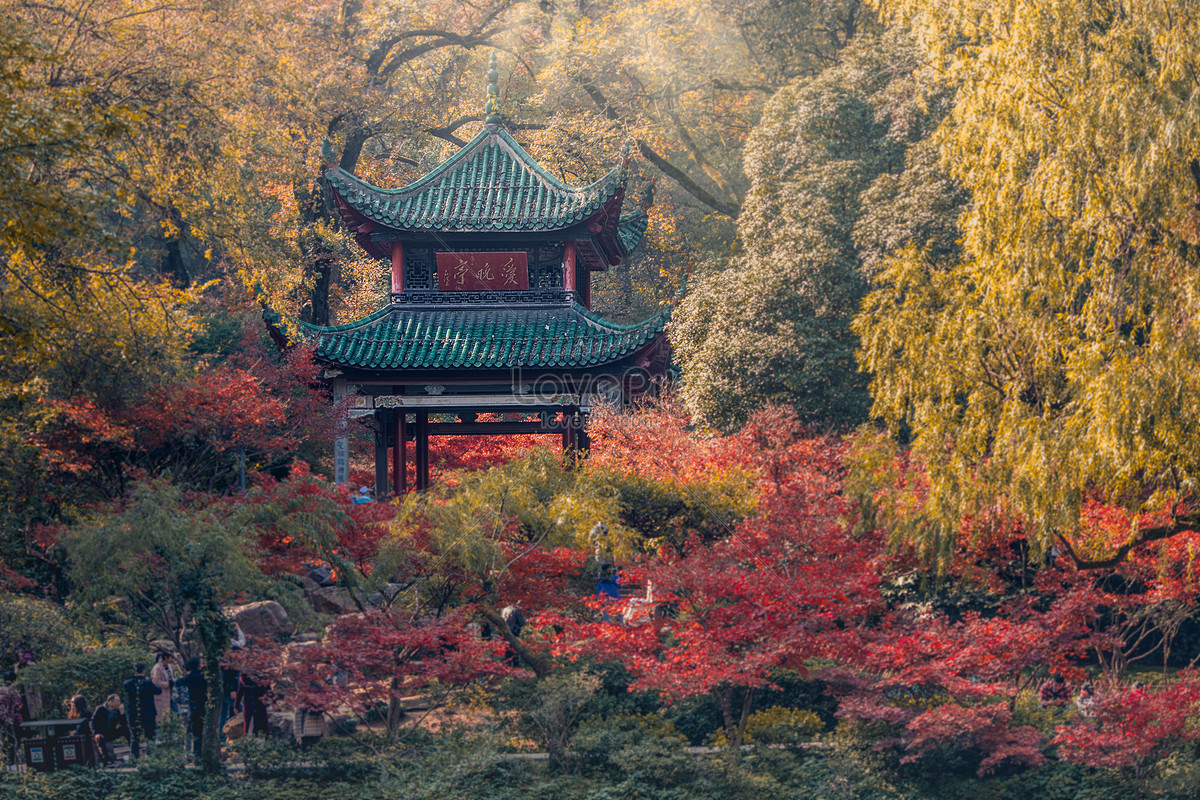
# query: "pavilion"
[[490, 307]]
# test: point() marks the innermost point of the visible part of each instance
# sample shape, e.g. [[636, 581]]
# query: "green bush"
[[642, 743], [95, 675], [777, 725], [37, 626]]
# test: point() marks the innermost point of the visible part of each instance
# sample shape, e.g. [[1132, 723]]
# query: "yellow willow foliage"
[[1059, 354]]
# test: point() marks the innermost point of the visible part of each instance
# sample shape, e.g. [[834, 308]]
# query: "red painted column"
[[400, 454], [397, 267], [569, 267]]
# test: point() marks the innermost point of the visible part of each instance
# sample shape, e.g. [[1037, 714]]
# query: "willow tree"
[[1053, 361]]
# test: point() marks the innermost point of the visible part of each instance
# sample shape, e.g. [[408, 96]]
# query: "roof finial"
[[626, 154], [491, 109]]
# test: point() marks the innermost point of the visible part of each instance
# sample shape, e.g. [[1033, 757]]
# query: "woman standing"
[[163, 676]]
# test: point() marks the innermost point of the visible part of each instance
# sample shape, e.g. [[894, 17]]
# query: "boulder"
[[279, 724], [322, 575], [265, 618], [386, 594], [332, 600]]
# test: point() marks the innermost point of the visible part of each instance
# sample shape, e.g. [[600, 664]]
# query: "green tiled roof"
[[631, 229], [399, 338], [491, 184]]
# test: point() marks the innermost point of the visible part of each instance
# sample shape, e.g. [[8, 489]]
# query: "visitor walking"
[[140, 692], [196, 688], [251, 699]]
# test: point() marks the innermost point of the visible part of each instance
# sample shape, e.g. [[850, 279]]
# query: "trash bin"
[[71, 750], [39, 754]]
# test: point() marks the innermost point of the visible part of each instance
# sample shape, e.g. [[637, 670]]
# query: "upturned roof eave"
[[354, 347], [595, 196]]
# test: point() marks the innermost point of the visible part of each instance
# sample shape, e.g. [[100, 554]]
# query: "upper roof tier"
[[490, 185], [491, 189]]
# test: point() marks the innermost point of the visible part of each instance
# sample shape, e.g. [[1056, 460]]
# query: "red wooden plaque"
[[473, 272]]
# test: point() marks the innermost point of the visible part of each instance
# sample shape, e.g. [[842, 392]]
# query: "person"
[[139, 708], [1139, 691], [363, 496], [230, 679], [196, 687], [163, 676], [608, 587], [609, 582], [108, 725], [1086, 700], [641, 610], [515, 618], [1054, 693], [77, 709], [237, 637], [251, 700]]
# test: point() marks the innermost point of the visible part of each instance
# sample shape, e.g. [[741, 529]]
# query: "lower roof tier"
[[401, 338]]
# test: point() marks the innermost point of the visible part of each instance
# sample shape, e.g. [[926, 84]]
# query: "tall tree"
[[1053, 360], [164, 565], [774, 326]]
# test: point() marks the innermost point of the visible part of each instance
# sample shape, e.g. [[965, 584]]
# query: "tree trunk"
[[213, 631], [734, 729], [538, 663]]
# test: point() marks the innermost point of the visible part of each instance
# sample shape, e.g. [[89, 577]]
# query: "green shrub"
[[777, 725], [617, 746], [37, 626], [95, 675]]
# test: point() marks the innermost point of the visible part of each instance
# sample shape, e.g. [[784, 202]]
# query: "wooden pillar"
[[422, 437], [399, 453], [397, 267], [569, 267], [570, 438], [381, 454], [581, 438]]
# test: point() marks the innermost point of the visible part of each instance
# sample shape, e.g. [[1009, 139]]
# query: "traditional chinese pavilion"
[[490, 309]]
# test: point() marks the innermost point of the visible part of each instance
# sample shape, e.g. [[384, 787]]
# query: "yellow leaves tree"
[[1055, 358]]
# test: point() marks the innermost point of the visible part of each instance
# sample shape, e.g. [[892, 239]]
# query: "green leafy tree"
[[1053, 360], [774, 326], [163, 564]]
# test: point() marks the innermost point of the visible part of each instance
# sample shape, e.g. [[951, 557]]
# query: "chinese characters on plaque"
[[473, 272]]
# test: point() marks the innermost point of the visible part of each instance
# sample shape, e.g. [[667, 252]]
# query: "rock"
[[279, 724], [300, 638], [322, 575], [264, 618], [386, 594], [332, 600], [308, 584]]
